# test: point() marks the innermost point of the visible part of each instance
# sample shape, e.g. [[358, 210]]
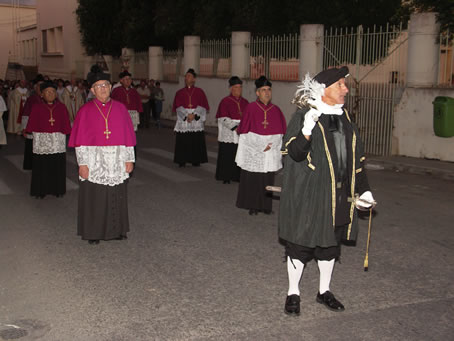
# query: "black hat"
[[92, 78], [234, 80], [262, 81], [124, 74], [47, 84], [331, 76], [38, 78], [192, 72]]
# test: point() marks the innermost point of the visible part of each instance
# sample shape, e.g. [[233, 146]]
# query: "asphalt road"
[[197, 268]]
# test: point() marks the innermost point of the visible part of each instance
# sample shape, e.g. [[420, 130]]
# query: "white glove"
[[310, 120], [367, 197]]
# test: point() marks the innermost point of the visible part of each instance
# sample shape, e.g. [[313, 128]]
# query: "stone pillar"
[[192, 53], [311, 49], [423, 50], [240, 54], [128, 60], [155, 63]]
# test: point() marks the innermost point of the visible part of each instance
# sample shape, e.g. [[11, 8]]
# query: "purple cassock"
[[190, 98], [32, 100], [262, 119], [232, 107], [90, 127], [49, 118], [129, 97]]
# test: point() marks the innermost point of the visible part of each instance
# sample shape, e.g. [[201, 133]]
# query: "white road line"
[[4, 188], [17, 161], [168, 155], [164, 172]]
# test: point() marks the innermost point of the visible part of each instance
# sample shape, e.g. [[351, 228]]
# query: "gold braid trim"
[[359, 170], [353, 180], [285, 151], [309, 160], [362, 159], [333, 178]]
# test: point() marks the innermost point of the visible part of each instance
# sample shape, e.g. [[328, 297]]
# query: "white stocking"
[[295, 270], [326, 270]]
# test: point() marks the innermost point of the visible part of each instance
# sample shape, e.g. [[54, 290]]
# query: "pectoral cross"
[[51, 120], [107, 133], [265, 123]]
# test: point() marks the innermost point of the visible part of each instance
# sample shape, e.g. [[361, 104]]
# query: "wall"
[[413, 133], [54, 14], [9, 47], [216, 89]]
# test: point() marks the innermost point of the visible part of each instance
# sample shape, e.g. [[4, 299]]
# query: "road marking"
[[164, 172], [17, 161], [169, 156], [4, 188]]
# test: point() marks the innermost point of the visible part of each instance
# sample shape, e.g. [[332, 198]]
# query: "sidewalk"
[[440, 169]]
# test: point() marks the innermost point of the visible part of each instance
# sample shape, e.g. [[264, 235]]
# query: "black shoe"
[[292, 305], [93, 241], [330, 301], [181, 165], [253, 212], [226, 182], [196, 164], [122, 237], [267, 211]]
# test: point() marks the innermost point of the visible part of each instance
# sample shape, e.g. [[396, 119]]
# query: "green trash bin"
[[443, 116]]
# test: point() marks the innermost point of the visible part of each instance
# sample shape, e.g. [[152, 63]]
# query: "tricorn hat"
[[192, 72], [47, 84]]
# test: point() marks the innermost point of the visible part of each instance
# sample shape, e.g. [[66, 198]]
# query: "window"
[[53, 40]]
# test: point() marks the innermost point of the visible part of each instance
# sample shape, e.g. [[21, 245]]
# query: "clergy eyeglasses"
[[102, 85]]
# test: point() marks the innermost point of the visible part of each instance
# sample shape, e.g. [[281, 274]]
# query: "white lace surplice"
[[251, 156], [106, 164], [134, 118], [225, 132], [183, 126], [49, 143]]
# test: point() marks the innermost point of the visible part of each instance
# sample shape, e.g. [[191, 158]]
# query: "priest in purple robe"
[[23, 120], [129, 96], [229, 115], [191, 106], [104, 139], [261, 130], [49, 124]]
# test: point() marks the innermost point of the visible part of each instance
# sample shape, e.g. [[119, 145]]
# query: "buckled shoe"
[[292, 305]]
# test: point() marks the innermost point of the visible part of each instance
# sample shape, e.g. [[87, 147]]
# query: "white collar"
[[327, 109]]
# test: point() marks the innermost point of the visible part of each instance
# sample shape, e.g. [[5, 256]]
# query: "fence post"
[[192, 53], [311, 49], [240, 54], [423, 49], [155, 63]]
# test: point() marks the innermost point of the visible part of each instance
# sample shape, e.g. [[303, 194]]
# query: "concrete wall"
[[216, 89], [55, 14], [413, 132]]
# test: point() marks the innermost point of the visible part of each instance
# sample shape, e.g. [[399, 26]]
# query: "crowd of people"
[[320, 150]]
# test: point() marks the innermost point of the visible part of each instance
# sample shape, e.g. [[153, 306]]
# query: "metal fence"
[[377, 62], [276, 57], [172, 63], [215, 58], [446, 60], [141, 65]]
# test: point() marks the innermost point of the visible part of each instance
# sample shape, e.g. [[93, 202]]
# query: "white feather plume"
[[308, 91]]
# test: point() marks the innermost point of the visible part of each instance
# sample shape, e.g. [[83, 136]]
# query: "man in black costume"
[[323, 167]]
